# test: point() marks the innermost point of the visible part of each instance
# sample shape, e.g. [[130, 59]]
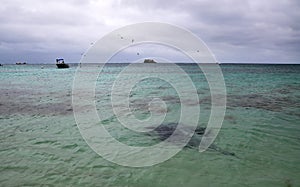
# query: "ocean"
[[258, 144]]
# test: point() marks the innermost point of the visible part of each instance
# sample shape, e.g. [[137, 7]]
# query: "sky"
[[256, 31]]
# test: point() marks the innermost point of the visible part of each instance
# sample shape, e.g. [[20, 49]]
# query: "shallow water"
[[41, 144]]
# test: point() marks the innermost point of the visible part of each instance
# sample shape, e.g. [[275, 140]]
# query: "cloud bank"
[[236, 31]]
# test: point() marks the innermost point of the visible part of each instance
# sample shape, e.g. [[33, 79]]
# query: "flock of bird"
[[121, 37]]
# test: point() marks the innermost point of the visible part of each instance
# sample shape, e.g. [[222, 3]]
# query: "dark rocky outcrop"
[[164, 131], [149, 61]]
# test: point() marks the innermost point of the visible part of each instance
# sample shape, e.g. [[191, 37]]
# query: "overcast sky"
[[38, 31]]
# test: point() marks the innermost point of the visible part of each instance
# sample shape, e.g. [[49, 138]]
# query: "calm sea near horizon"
[[258, 144]]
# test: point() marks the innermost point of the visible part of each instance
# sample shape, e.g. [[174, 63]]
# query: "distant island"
[[21, 63], [149, 61]]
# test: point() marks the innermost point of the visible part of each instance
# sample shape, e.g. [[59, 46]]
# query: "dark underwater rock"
[[164, 131]]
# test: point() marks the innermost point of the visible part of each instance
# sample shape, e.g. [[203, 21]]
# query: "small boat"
[[60, 63]]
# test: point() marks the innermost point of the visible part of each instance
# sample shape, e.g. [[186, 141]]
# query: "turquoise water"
[[258, 144]]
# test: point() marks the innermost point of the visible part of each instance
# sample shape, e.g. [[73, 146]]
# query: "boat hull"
[[62, 65]]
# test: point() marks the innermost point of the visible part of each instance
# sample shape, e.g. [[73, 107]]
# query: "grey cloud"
[[250, 30], [260, 26], [264, 25]]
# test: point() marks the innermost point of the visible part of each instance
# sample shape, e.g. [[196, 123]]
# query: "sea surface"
[[258, 144]]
